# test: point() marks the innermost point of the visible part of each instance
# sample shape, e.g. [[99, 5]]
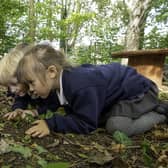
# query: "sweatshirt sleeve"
[[43, 108], [51, 103], [21, 102], [86, 106]]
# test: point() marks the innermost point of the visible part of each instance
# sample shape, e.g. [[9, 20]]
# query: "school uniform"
[[42, 105], [91, 94]]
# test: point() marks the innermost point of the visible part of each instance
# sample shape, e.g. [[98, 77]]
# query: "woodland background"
[[87, 30]]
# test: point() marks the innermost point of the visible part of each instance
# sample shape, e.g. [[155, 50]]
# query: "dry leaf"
[[118, 148], [4, 147], [100, 158], [160, 134]]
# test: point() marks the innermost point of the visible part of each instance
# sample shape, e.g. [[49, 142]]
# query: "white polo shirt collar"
[[60, 94]]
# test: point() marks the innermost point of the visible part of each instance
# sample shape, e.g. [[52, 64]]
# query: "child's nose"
[[31, 89]]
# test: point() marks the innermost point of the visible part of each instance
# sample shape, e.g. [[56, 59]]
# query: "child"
[[112, 95], [8, 66]]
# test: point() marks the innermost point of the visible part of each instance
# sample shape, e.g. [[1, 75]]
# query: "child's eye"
[[13, 84], [30, 81]]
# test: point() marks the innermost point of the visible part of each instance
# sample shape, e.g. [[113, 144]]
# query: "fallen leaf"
[[97, 146], [39, 148], [122, 138], [58, 165], [100, 158], [160, 134], [56, 143], [118, 148], [82, 155], [1, 126], [4, 147], [25, 151], [117, 162]]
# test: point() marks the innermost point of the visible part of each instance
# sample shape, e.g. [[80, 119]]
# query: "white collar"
[[60, 94]]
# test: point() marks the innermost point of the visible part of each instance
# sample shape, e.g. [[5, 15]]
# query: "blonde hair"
[[9, 62], [38, 59]]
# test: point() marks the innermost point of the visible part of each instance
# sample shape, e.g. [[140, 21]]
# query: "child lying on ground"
[[8, 66], [111, 95]]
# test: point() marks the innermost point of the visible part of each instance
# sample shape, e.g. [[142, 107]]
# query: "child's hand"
[[40, 129], [33, 113], [12, 115], [20, 113]]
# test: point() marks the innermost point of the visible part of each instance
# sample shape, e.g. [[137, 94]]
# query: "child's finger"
[[6, 115], [31, 130], [28, 112], [35, 134], [43, 134], [12, 116], [23, 115]]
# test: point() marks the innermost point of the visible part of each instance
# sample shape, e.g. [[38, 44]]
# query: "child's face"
[[38, 88], [17, 88], [41, 88]]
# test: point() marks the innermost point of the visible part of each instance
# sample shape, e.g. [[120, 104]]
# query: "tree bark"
[[49, 20], [32, 21], [138, 12]]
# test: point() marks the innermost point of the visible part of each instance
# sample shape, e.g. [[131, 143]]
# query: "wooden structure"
[[149, 63]]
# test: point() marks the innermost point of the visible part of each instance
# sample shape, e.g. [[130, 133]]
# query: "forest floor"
[[96, 150]]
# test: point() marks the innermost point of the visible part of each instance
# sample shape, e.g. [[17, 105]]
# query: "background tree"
[[10, 11], [32, 22], [87, 30], [157, 23], [138, 11]]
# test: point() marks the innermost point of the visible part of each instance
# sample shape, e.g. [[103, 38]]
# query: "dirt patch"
[[97, 149]]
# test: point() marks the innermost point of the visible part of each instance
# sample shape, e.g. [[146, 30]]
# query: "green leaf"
[[42, 162], [1, 126], [27, 139], [82, 155], [28, 166], [40, 149], [58, 165], [146, 150], [122, 138], [6, 166], [25, 151], [49, 114]]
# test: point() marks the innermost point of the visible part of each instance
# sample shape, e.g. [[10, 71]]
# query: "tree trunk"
[[32, 22], [49, 21], [63, 40], [138, 12]]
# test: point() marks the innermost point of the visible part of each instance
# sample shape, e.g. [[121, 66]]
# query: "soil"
[[96, 150]]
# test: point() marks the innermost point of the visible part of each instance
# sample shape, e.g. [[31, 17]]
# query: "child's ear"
[[52, 71]]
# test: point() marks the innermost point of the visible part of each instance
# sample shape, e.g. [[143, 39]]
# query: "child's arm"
[[21, 113], [39, 129], [87, 106], [21, 102], [51, 103], [12, 115]]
